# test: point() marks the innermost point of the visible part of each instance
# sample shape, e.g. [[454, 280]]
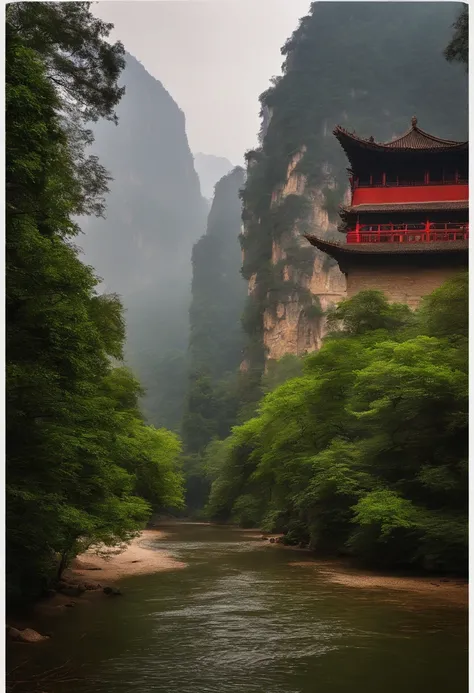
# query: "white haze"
[[215, 58]]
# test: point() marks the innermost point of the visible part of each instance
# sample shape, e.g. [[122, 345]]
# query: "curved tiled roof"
[[413, 139]]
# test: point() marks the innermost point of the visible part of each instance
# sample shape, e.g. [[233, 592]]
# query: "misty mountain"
[[216, 336], [210, 169], [142, 250], [218, 289]]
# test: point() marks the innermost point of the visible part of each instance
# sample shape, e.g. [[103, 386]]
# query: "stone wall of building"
[[403, 284]]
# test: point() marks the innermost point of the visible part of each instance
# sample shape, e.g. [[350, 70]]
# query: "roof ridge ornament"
[[414, 121]]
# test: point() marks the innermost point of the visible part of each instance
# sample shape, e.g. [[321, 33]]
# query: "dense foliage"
[[216, 337], [457, 49], [82, 467], [366, 66], [142, 249], [366, 451], [82, 68]]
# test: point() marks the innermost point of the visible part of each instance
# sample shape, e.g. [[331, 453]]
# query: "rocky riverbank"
[[91, 577]]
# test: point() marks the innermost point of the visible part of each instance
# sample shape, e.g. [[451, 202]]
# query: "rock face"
[[218, 290], [27, 635], [298, 155], [292, 328], [210, 169], [112, 591]]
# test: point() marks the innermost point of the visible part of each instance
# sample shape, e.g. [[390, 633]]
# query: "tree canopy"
[[82, 467], [457, 49], [366, 451]]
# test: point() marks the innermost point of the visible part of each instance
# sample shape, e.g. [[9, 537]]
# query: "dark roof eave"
[[337, 250], [448, 206]]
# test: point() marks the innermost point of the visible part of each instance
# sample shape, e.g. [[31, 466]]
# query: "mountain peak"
[[210, 169]]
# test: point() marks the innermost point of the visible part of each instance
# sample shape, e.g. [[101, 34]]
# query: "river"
[[241, 619]]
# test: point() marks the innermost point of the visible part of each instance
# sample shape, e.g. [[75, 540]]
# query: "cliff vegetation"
[[216, 336], [368, 67]]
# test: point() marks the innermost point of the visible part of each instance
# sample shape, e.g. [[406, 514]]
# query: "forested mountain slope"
[[216, 335], [368, 67], [142, 250]]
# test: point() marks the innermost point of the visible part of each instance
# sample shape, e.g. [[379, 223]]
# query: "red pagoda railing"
[[408, 183], [408, 233]]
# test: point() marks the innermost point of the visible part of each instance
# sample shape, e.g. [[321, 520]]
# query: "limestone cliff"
[[294, 326], [297, 175]]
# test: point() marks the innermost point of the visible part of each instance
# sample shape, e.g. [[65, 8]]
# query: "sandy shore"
[[448, 590], [136, 559], [454, 591]]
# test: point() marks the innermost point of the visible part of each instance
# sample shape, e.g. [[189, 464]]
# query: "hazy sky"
[[214, 57]]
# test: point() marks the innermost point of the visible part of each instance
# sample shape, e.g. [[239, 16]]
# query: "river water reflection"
[[241, 619]]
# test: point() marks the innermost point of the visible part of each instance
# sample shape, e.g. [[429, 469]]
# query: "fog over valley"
[[237, 240]]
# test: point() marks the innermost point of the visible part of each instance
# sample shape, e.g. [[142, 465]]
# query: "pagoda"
[[406, 225]]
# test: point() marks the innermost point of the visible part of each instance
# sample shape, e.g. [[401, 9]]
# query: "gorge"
[[142, 248], [272, 476]]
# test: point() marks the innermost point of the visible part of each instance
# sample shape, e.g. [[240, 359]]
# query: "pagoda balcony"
[[408, 233], [356, 183]]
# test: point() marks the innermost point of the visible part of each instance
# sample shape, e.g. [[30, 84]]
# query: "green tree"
[[444, 313], [199, 423], [72, 478], [152, 455], [82, 68], [289, 366], [366, 312], [81, 65], [457, 49], [366, 451]]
